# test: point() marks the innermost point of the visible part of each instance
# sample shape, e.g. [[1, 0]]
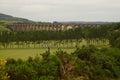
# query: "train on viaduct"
[[39, 27]]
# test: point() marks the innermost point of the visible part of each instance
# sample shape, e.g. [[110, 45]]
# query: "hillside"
[[9, 18]]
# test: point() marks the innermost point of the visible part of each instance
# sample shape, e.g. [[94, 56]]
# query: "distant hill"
[[10, 19]]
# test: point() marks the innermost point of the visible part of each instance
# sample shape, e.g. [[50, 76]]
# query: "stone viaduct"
[[39, 27]]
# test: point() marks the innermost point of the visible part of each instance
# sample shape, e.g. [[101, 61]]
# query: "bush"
[[20, 71], [3, 74], [97, 64]]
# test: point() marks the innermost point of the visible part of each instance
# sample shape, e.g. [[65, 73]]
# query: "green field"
[[25, 53], [24, 50]]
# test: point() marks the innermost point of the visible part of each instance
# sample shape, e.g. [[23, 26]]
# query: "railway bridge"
[[39, 27]]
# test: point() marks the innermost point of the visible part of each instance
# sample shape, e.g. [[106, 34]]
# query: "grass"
[[25, 53]]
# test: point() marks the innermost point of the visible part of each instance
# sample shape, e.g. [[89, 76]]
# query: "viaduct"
[[39, 27]]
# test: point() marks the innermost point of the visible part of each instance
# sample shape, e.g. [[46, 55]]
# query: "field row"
[[55, 44]]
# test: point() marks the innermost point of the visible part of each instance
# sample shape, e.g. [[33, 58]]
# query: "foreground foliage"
[[3, 74], [86, 63]]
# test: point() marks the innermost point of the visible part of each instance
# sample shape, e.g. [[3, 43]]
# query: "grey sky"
[[63, 10]]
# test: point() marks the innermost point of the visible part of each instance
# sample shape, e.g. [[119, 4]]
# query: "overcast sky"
[[63, 10]]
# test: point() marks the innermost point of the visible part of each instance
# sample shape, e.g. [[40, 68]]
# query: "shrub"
[[3, 74], [20, 71], [97, 64]]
